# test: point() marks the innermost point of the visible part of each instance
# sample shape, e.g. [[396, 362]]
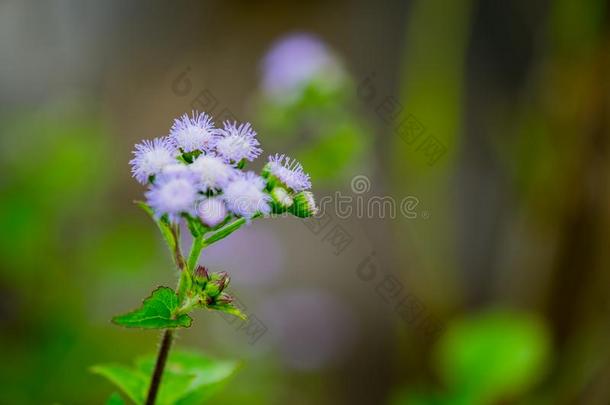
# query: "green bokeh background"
[[510, 258]]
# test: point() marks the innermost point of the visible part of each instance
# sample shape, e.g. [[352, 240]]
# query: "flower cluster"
[[198, 171]]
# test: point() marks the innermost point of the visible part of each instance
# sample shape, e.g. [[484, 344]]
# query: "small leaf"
[[229, 309], [157, 312], [115, 399], [132, 382]]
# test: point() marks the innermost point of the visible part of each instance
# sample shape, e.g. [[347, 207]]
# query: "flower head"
[[193, 133], [304, 205], [212, 211], [281, 197], [151, 157], [174, 171], [289, 172], [244, 195], [172, 196], [237, 143], [212, 171]]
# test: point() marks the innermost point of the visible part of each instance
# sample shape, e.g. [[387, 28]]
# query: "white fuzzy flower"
[[244, 195], [212, 211], [289, 171], [237, 143], [151, 157], [172, 196], [175, 170], [212, 171], [192, 133]]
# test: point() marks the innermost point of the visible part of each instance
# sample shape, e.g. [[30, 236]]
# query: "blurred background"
[[485, 124]]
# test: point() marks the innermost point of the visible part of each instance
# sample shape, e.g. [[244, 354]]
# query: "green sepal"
[[229, 309], [195, 225], [157, 312], [189, 157], [304, 205]]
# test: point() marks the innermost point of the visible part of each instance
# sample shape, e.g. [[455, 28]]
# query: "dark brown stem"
[[178, 258], [166, 343]]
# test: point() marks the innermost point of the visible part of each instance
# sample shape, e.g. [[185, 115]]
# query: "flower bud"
[[223, 280], [201, 274], [304, 205], [218, 282], [224, 299], [281, 199]]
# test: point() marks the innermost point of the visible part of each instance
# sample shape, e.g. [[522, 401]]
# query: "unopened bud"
[[224, 298], [201, 274], [281, 199], [304, 205], [217, 283], [224, 280]]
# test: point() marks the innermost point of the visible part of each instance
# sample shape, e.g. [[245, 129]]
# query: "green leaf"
[[189, 378], [157, 312], [229, 309], [115, 399], [133, 383], [205, 376], [163, 224]]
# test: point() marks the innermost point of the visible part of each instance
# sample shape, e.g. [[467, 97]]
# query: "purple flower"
[[245, 197], [289, 171], [151, 157], [196, 132], [212, 171], [212, 211], [237, 143], [172, 196]]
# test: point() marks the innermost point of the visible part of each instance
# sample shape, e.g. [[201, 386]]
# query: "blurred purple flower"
[[293, 61]]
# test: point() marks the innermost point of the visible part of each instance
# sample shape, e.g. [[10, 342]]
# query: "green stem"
[[162, 355], [225, 231], [198, 245], [200, 242]]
